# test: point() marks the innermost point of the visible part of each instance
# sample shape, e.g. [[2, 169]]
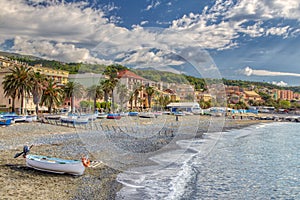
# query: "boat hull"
[[71, 120], [133, 114], [102, 116], [5, 122], [113, 116], [147, 115], [55, 165]]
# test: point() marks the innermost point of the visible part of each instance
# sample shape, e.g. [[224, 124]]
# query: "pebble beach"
[[17, 181]]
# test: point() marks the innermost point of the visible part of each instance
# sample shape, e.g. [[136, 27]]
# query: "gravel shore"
[[20, 182]]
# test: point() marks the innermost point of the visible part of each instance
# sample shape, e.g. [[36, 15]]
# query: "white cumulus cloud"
[[66, 31], [254, 72], [280, 83]]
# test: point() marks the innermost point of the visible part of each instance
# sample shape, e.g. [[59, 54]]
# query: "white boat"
[[55, 165], [19, 119], [147, 115], [124, 114], [14, 117], [90, 116], [102, 116], [31, 118], [74, 120]]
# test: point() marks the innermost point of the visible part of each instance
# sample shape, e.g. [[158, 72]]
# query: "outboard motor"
[[26, 150]]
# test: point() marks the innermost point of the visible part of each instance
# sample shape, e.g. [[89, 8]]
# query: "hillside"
[[153, 75]]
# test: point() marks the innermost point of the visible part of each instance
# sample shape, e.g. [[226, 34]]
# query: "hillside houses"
[[131, 90]]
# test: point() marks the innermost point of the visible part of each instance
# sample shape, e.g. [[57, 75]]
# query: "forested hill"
[[157, 76], [72, 68]]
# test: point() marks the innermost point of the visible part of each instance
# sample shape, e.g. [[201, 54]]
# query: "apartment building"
[[285, 94], [60, 76]]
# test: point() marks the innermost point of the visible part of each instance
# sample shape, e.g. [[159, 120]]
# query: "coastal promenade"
[[98, 182]]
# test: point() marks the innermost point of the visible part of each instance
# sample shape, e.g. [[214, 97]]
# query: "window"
[[9, 101]]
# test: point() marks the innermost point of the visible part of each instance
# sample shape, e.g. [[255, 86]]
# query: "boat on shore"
[[74, 120], [53, 116], [102, 115], [55, 165], [133, 114], [113, 116], [147, 115], [52, 164], [14, 117], [5, 121], [30, 118], [124, 114]]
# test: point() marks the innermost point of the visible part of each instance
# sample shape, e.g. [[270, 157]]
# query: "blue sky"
[[249, 40]]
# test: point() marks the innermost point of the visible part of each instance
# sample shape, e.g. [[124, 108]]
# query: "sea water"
[[257, 162]]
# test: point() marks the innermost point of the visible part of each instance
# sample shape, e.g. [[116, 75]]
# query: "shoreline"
[[99, 182]]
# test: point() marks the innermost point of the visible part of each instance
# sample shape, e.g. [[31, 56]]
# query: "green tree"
[[150, 91], [95, 92], [9, 89], [52, 95], [38, 82], [17, 84], [85, 104], [122, 90], [107, 88], [111, 72], [137, 88], [285, 104], [131, 99], [164, 100], [73, 90]]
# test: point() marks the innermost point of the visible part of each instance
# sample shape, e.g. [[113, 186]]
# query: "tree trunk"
[[95, 101], [13, 104], [149, 101], [72, 103], [50, 107], [37, 109], [112, 101], [22, 104]]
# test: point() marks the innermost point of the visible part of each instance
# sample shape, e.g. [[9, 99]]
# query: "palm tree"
[[122, 90], [164, 100], [95, 92], [150, 91], [131, 98], [73, 90], [112, 73], [52, 95], [107, 88], [38, 82], [137, 89], [156, 99], [9, 89], [17, 84]]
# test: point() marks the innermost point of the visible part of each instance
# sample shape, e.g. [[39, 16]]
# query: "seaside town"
[[36, 90]]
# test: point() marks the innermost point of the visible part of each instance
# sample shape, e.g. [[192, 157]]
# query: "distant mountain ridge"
[[16, 55]]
